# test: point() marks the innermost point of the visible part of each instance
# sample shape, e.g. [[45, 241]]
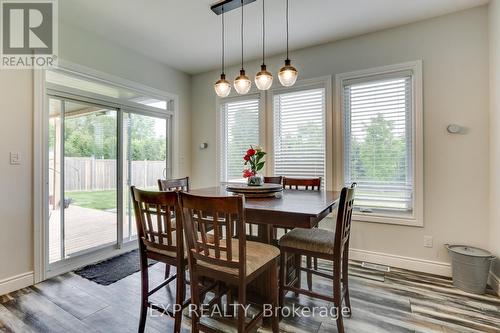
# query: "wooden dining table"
[[292, 209]]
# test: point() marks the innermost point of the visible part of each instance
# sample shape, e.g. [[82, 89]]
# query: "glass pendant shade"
[[222, 86], [288, 74], [242, 83], [263, 79]]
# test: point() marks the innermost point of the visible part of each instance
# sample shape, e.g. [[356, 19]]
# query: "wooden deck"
[[85, 228]]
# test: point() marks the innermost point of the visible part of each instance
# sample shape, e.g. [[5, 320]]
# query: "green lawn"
[[102, 200]]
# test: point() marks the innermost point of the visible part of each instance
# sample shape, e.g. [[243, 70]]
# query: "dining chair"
[[323, 244], [274, 180], [160, 241], [173, 184], [307, 184], [312, 184], [230, 259], [180, 184], [253, 229], [304, 184]]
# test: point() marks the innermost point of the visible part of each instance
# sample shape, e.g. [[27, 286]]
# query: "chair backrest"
[[175, 184], [274, 180], [155, 215], [226, 216], [313, 184], [344, 219]]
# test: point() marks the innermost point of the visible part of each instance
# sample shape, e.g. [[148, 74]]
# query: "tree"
[[145, 143], [95, 134], [381, 154]]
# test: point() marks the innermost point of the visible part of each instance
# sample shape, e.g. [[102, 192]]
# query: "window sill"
[[388, 219]]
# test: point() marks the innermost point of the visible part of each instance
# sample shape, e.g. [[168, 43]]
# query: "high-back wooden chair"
[[299, 184], [174, 184], [273, 180], [253, 229], [308, 184], [228, 257], [328, 245], [160, 238], [305, 184]]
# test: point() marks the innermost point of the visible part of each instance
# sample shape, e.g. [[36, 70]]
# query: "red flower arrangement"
[[253, 158]]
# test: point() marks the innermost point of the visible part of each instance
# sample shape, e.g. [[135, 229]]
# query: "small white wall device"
[[455, 129]]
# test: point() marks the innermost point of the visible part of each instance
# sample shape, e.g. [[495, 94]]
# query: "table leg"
[[265, 233]]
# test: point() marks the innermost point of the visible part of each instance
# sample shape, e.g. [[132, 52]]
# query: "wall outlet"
[[15, 158], [428, 241]]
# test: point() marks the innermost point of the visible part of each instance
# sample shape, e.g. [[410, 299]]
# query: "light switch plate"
[[15, 158], [428, 241]]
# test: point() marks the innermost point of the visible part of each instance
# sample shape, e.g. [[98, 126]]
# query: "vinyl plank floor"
[[398, 301]]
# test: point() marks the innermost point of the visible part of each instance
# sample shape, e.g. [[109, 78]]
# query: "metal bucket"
[[470, 267]]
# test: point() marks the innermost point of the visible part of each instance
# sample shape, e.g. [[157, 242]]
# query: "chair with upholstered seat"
[[273, 180], [230, 258], [253, 229], [173, 184], [160, 238], [323, 244], [299, 184]]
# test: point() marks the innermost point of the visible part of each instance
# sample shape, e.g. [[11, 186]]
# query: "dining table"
[[290, 209]]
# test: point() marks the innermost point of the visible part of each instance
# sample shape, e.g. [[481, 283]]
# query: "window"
[[239, 123], [299, 133], [380, 145]]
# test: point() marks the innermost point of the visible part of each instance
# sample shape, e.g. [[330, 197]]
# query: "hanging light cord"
[[287, 30], [242, 34], [263, 31], [223, 40]]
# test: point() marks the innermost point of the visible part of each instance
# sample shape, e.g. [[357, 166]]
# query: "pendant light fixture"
[[263, 79], [242, 83], [222, 86], [287, 74]]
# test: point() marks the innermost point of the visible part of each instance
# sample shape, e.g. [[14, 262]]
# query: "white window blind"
[[378, 142], [299, 133], [239, 130]]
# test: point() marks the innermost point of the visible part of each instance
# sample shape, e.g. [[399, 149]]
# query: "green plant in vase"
[[254, 162]]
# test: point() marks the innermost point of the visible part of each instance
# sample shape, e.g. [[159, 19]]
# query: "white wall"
[[495, 131], [454, 50], [103, 55], [16, 128]]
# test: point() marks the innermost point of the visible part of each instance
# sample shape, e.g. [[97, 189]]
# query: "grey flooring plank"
[[10, 323], [72, 299], [41, 315], [398, 301]]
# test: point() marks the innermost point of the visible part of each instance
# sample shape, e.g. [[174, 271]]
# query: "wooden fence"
[[90, 174]]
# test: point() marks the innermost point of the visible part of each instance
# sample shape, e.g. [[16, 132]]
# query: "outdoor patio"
[[85, 228]]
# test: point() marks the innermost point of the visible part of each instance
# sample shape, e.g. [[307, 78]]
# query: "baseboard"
[[414, 264], [16, 282], [494, 282]]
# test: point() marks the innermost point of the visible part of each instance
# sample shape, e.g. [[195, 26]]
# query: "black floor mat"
[[114, 269]]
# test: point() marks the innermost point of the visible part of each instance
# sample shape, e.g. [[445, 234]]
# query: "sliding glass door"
[[90, 177], [83, 200], [145, 152], [95, 153]]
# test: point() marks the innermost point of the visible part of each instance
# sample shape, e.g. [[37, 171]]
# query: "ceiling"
[[186, 34]]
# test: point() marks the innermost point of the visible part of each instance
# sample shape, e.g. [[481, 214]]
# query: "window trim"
[[218, 136], [318, 82], [416, 219]]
